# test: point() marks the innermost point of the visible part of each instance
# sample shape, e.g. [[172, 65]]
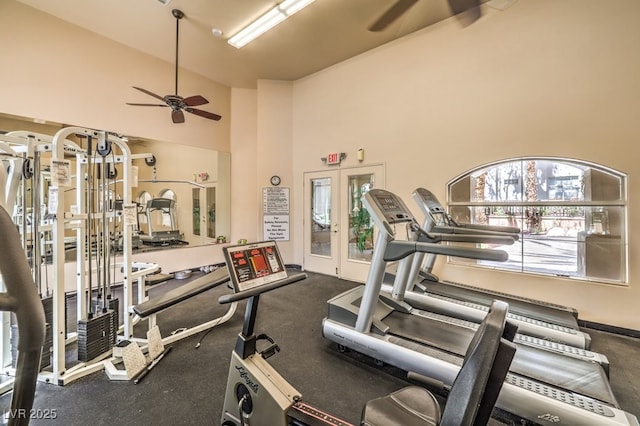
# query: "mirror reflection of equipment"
[[165, 230]]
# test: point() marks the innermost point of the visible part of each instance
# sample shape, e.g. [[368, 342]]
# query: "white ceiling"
[[323, 34]]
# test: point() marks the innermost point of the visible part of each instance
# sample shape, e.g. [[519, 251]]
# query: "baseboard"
[[611, 329], [293, 266]]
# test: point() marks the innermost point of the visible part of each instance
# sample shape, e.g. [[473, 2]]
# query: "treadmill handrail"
[[397, 250], [431, 237], [471, 231], [495, 228]]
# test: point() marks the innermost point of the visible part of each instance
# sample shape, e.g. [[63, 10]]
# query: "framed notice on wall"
[[275, 213]]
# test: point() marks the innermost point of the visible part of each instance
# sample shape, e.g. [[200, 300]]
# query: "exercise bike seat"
[[409, 406], [474, 391]]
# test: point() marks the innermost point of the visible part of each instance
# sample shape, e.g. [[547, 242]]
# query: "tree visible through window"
[[572, 215]]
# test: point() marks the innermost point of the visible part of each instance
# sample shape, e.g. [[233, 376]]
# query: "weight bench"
[[184, 292], [150, 307]]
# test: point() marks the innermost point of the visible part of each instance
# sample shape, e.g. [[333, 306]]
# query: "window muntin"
[[572, 215]]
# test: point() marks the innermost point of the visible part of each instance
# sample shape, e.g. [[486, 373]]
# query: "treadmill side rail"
[[523, 398]]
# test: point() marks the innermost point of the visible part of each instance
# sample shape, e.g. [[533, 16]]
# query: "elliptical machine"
[[257, 395]]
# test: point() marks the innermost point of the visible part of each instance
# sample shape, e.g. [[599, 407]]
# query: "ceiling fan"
[[400, 7], [177, 103]]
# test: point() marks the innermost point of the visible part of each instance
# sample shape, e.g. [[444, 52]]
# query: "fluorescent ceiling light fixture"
[[267, 21]]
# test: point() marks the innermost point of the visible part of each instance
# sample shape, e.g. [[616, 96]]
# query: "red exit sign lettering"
[[333, 158]]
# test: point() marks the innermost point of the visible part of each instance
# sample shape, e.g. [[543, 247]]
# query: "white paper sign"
[[53, 200], [276, 227], [275, 211], [130, 214], [60, 173]]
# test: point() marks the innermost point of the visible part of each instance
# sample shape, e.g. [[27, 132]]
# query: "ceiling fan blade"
[[195, 100], [177, 116], [466, 11], [155, 105], [500, 4], [459, 6], [394, 12], [205, 114], [149, 93]]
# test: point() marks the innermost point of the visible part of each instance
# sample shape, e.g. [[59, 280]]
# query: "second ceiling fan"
[[400, 7], [177, 103]]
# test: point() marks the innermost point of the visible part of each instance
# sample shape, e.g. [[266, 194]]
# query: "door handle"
[[334, 228]]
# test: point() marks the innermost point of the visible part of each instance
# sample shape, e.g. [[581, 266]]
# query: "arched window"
[[572, 215]]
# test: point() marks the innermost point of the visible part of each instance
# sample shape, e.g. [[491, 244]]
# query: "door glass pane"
[[360, 224], [211, 212], [195, 196], [321, 216]]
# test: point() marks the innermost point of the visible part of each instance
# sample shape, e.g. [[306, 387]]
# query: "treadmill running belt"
[[585, 378], [541, 312]]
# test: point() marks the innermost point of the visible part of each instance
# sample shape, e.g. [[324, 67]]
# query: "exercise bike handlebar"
[[255, 291], [397, 250]]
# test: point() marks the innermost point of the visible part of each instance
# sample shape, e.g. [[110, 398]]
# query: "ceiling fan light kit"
[[267, 21], [177, 103]]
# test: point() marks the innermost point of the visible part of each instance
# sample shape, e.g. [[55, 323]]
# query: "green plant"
[[361, 224]]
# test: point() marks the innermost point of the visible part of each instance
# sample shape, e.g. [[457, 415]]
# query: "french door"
[[338, 232], [203, 225]]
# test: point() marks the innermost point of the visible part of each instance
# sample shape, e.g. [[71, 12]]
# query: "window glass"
[[571, 214]]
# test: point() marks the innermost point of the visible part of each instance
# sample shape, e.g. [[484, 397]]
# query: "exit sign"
[[333, 158]]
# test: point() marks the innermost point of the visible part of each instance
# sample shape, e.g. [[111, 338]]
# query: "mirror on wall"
[[183, 195]]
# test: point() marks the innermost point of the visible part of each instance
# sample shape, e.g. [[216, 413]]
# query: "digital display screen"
[[254, 264]]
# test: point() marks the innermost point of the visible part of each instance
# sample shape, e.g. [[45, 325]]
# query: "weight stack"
[[95, 335], [47, 347], [112, 304], [70, 313]]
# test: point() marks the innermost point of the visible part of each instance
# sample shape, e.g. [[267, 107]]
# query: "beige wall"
[[244, 160], [542, 78]]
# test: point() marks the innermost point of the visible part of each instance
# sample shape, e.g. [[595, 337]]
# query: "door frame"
[[338, 264]]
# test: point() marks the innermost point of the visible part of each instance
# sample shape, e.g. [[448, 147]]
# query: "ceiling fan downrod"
[[178, 14]]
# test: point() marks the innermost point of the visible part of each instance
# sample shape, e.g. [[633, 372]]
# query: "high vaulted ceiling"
[[323, 34]]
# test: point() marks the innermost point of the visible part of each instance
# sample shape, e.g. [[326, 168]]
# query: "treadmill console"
[[424, 197], [387, 207]]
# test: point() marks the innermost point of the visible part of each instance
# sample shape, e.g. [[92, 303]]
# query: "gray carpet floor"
[[187, 387]]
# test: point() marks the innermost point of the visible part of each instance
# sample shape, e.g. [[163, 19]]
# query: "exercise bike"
[[257, 395]]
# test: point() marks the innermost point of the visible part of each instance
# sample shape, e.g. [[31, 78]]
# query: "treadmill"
[[437, 220], [167, 233], [534, 333], [539, 385], [543, 329]]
